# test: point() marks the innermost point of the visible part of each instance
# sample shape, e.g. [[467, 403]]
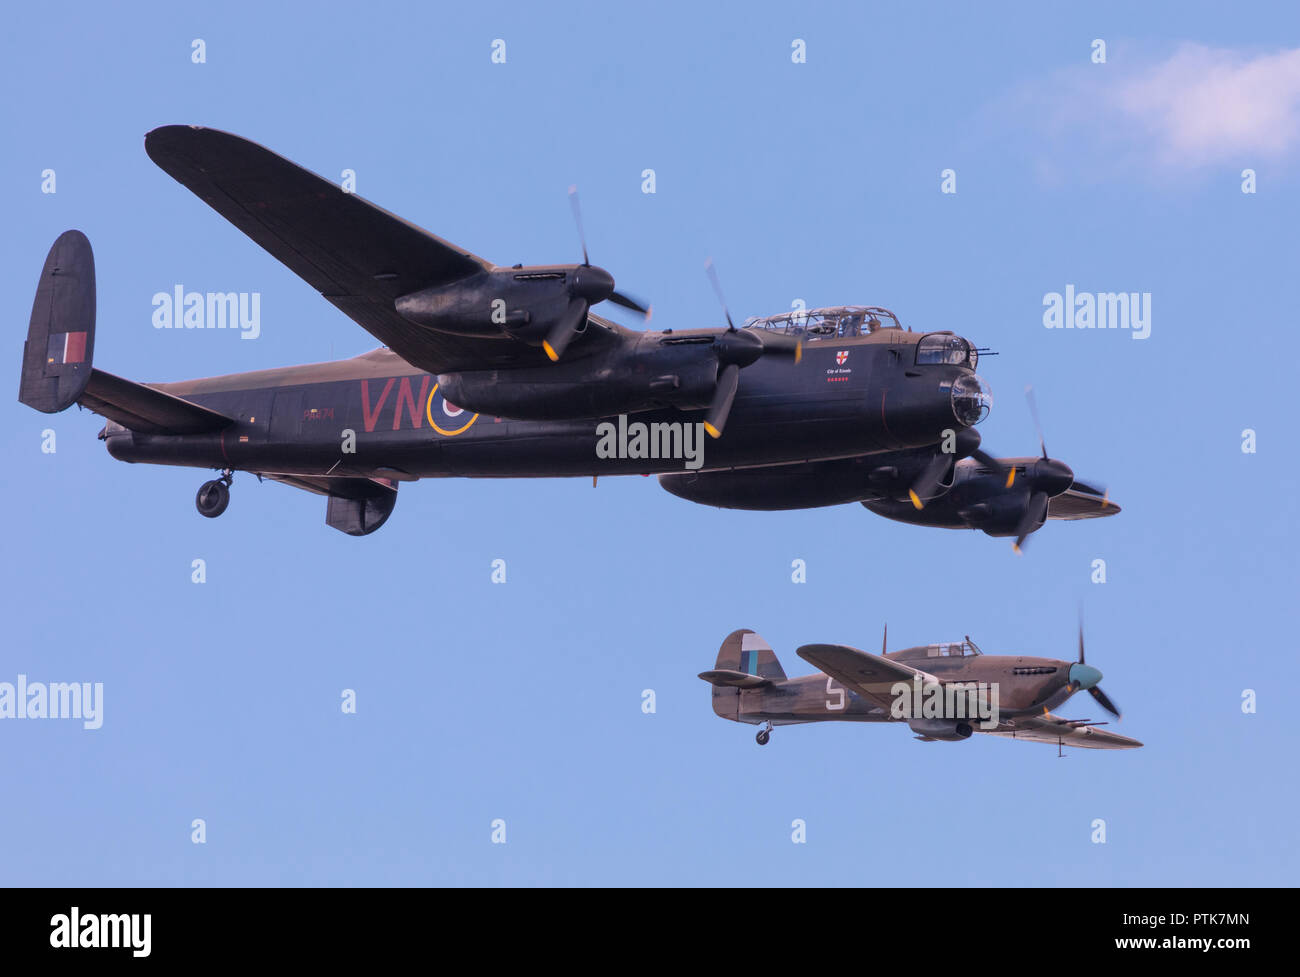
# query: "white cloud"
[[1197, 108], [1205, 106]]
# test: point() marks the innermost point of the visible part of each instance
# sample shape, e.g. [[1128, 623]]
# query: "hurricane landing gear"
[[214, 496], [764, 734]]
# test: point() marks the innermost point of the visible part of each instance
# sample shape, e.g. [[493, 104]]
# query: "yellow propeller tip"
[[551, 354], [1011, 478], [916, 501], [798, 351], [713, 431]]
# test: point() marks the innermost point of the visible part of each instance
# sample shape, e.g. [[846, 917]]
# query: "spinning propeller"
[[928, 481], [735, 349], [588, 285], [1042, 479], [1035, 483], [1085, 677]]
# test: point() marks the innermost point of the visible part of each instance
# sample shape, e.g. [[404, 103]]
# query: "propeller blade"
[[1081, 661], [716, 419], [1099, 492], [923, 488], [1033, 410], [598, 277], [712, 272], [577, 217], [1104, 701], [627, 302], [566, 327], [988, 461], [1035, 513], [884, 642], [782, 344]]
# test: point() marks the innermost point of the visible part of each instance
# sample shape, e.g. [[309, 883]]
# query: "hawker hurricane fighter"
[[495, 371], [944, 692]]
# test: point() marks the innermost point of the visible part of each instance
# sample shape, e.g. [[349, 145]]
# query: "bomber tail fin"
[[57, 370], [61, 334]]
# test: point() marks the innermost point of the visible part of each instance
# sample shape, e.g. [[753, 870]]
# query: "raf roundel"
[[449, 413]]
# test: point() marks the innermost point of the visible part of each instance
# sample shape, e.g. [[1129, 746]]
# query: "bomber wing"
[[358, 256], [1069, 732], [868, 675], [1080, 501]]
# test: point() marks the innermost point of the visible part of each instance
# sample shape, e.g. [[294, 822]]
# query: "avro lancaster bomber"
[[507, 372]]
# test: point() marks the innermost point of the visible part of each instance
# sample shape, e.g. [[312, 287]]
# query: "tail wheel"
[[212, 498], [762, 737]]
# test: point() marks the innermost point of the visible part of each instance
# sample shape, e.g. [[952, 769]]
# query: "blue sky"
[[816, 181]]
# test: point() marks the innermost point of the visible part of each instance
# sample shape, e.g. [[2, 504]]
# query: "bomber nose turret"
[[971, 399]]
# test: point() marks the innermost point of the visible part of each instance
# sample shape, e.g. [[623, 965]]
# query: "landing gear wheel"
[[212, 498], [762, 737]]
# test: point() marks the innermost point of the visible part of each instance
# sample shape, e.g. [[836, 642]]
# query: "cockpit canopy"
[[833, 322], [951, 649], [945, 348]]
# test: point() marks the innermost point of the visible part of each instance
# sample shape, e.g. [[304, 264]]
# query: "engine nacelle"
[[977, 500], [997, 516], [520, 302], [646, 377], [947, 730]]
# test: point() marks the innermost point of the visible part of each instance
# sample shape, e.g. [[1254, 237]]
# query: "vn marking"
[[405, 407], [406, 397]]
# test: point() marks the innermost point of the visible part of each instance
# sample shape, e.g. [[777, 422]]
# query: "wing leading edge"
[[360, 257], [1068, 732], [868, 675]]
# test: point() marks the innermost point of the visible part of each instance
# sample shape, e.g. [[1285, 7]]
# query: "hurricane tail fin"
[[745, 661]]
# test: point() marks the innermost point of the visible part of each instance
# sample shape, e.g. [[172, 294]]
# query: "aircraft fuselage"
[[848, 397]]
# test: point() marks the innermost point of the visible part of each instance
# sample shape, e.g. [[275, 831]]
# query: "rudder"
[[745, 661], [746, 651], [61, 333]]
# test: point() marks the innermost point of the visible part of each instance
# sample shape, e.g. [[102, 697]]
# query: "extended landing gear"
[[214, 496], [764, 734]]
